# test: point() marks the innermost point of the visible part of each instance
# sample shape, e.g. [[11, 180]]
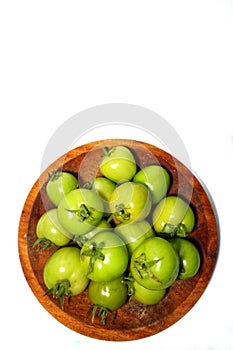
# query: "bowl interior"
[[133, 320]]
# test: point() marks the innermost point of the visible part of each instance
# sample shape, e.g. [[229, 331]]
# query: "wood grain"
[[133, 321]]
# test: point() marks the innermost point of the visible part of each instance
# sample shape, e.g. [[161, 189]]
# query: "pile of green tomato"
[[120, 236]]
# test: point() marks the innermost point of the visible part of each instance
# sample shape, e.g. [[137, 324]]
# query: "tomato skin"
[[130, 202], [155, 264], [70, 211], [147, 296], [118, 164], [111, 295], [171, 212], [59, 184], [189, 255], [104, 187], [64, 264], [49, 227], [156, 178], [112, 257], [133, 234]]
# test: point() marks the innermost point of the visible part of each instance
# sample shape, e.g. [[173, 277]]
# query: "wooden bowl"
[[133, 320]]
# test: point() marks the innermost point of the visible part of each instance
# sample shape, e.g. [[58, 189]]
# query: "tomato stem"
[[54, 175], [59, 290], [172, 230], [82, 213], [143, 267], [106, 151], [121, 210], [129, 281], [100, 311], [43, 244], [94, 252], [89, 185]]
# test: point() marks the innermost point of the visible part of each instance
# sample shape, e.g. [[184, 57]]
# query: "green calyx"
[[107, 151], [143, 267], [94, 251], [121, 210], [129, 282], [100, 311], [54, 175], [60, 290], [43, 244], [171, 230], [82, 213]]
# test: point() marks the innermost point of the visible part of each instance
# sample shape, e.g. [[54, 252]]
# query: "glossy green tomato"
[[147, 296], [104, 187], [155, 264], [173, 216], [118, 164], [107, 297], [133, 234], [104, 257], [59, 184], [130, 202], [49, 230], [112, 294], [80, 210], [63, 273], [189, 257], [156, 178]]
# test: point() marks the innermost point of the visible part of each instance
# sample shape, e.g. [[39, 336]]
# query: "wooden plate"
[[133, 321]]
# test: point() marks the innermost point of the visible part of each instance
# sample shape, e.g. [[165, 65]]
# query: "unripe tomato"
[[107, 297], [80, 210], [155, 264], [156, 178], [104, 257], [173, 216], [147, 296], [63, 273], [111, 294], [59, 184], [50, 231], [189, 257], [118, 164], [104, 187], [130, 202]]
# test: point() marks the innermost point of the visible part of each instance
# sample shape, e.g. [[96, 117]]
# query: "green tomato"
[[104, 257], [50, 232], [80, 210], [111, 294], [155, 264], [130, 202], [189, 257], [63, 273], [118, 164], [59, 184], [107, 297], [104, 187], [133, 234], [173, 216], [147, 296], [156, 178]]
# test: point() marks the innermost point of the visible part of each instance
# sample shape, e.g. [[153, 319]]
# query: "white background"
[[61, 57]]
